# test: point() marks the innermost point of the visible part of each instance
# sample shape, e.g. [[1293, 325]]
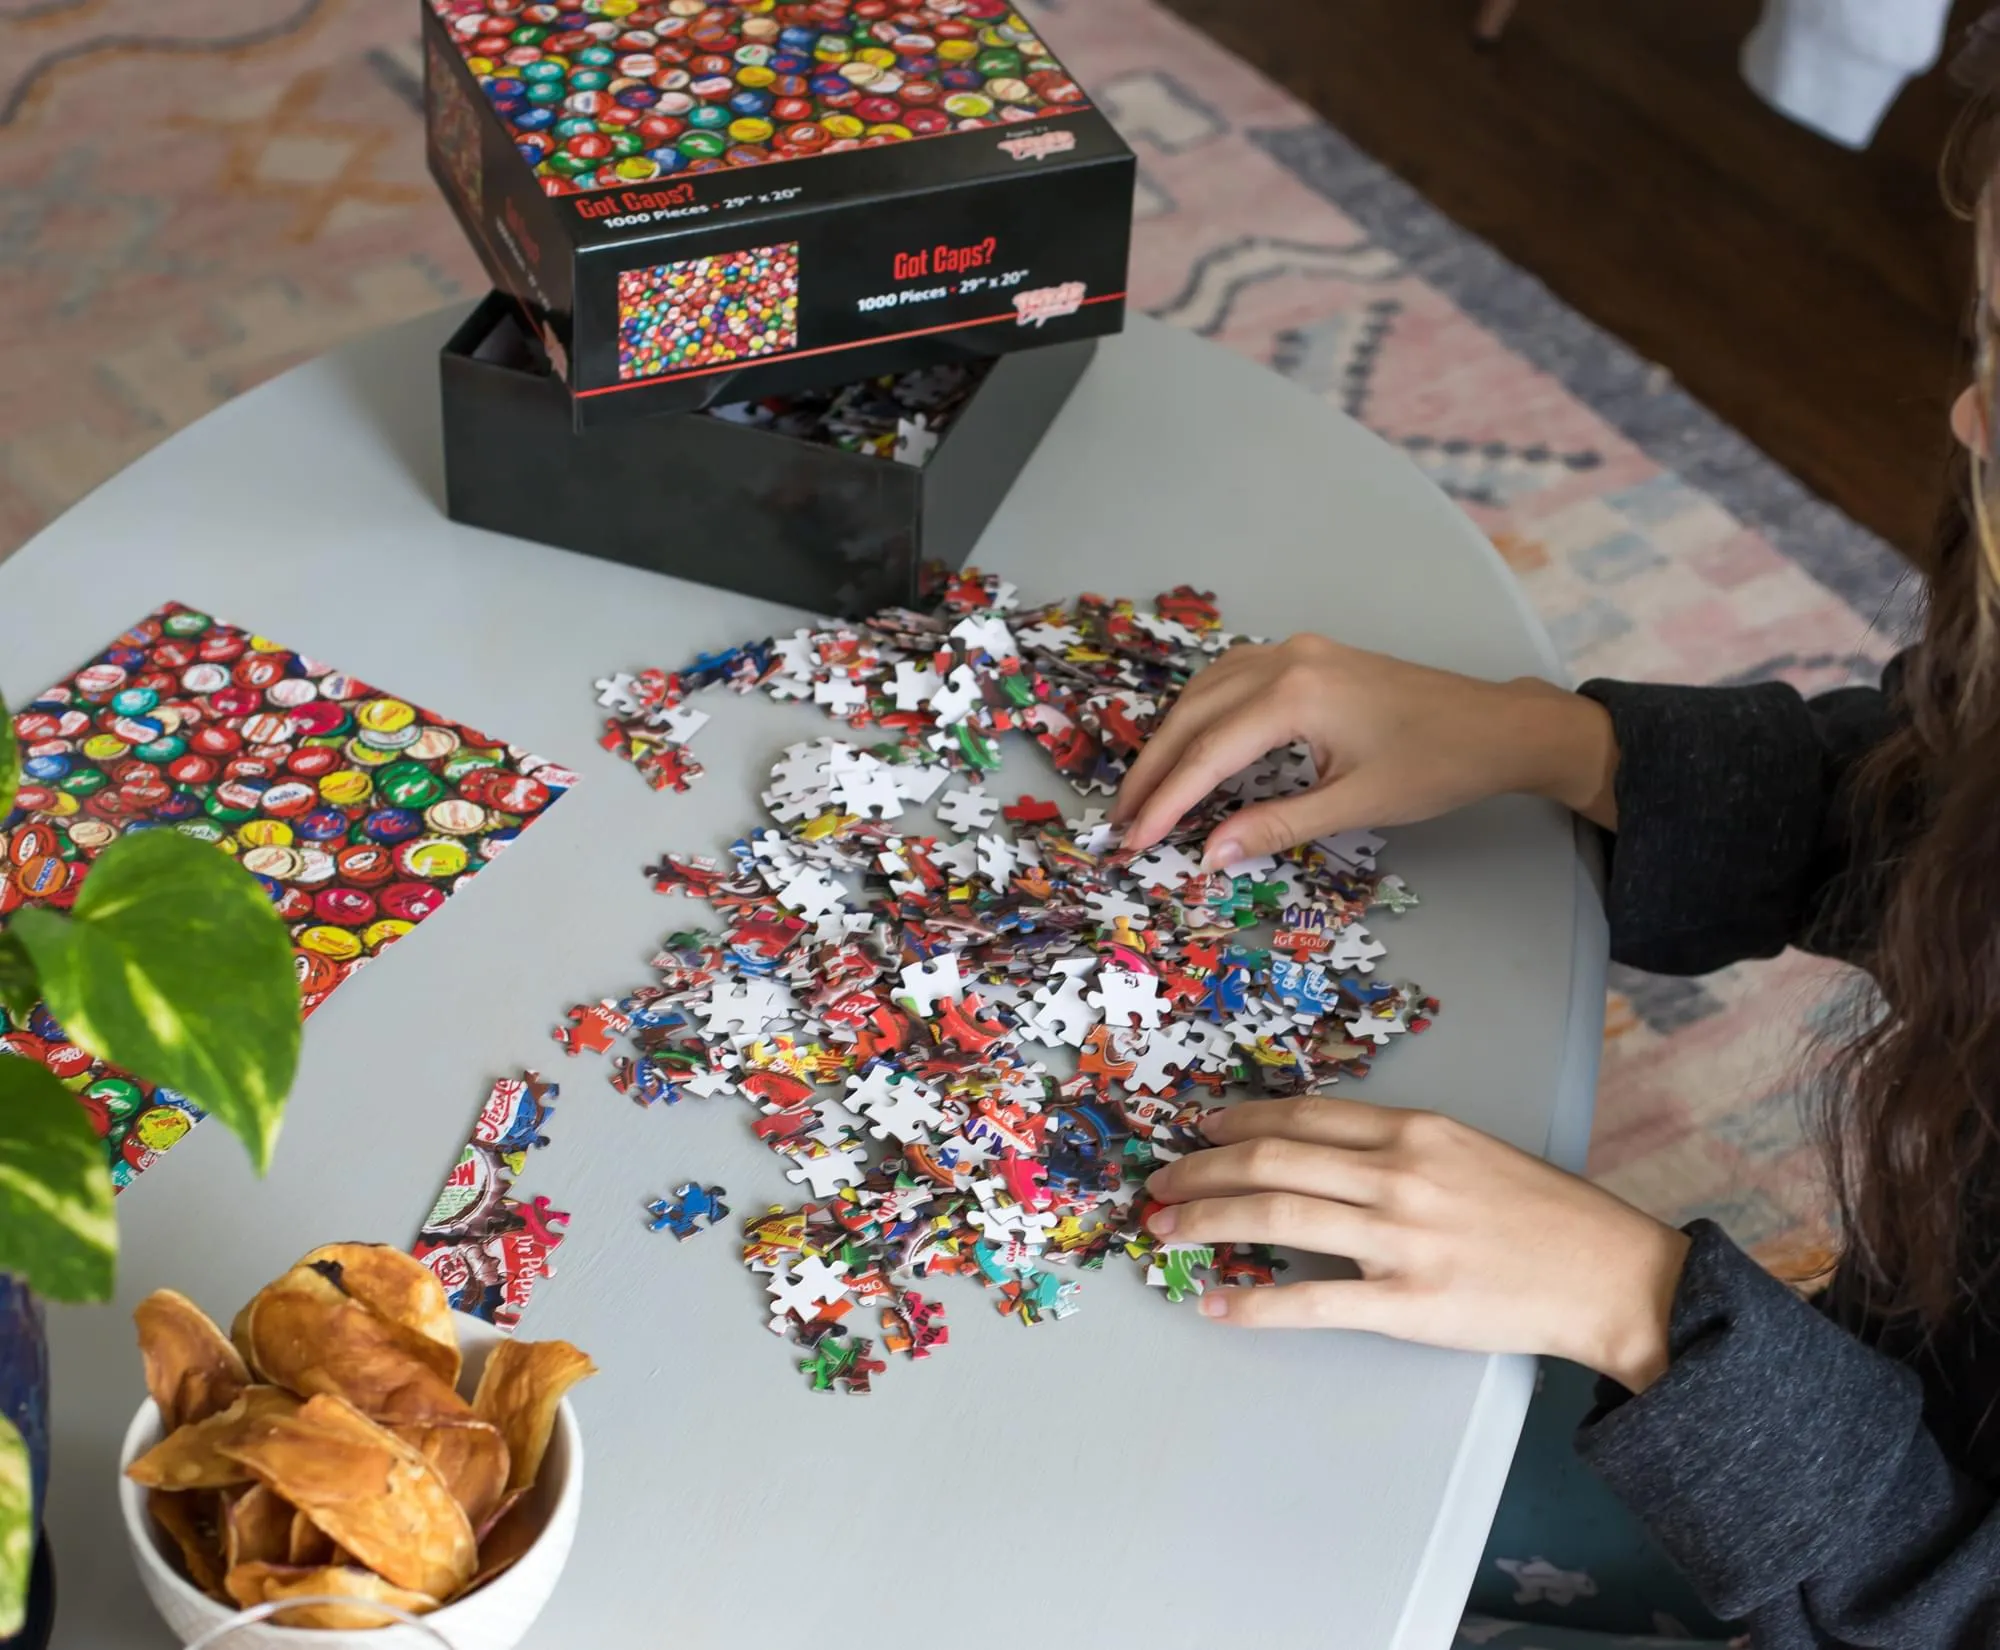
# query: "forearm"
[[1567, 748]]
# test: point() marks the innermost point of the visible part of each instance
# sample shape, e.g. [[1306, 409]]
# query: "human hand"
[[1462, 1241], [1392, 742]]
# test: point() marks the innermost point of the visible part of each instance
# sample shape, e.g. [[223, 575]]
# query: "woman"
[[1823, 1472]]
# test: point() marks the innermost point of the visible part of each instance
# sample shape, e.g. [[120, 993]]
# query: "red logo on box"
[[1039, 145], [1047, 303]]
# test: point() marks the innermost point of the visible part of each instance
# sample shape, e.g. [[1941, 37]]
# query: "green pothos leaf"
[[174, 966], [57, 1230]]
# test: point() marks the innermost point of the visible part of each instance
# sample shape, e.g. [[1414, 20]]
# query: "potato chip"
[[191, 1458], [239, 1337], [257, 1528], [308, 1544], [193, 1518], [398, 1289], [472, 1461], [192, 1371], [506, 1504], [503, 1543], [307, 1335], [268, 1583], [368, 1490], [519, 1390]]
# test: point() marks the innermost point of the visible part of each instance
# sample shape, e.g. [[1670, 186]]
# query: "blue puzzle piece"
[[1305, 987], [693, 1209], [1228, 994]]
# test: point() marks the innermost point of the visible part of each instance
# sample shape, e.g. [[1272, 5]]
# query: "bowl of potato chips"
[[350, 1439]]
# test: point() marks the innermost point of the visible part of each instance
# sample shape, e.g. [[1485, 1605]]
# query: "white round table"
[[1133, 1476]]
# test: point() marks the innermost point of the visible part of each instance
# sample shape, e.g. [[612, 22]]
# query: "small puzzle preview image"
[[707, 312]]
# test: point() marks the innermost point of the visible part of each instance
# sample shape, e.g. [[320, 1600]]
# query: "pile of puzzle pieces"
[[973, 1046], [901, 417]]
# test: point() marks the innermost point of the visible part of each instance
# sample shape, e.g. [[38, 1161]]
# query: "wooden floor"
[[1812, 297]]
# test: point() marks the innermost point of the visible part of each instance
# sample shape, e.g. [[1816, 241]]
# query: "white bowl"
[[496, 1617]]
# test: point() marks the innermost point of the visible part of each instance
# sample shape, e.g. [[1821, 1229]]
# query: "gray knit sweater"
[[1824, 1477]]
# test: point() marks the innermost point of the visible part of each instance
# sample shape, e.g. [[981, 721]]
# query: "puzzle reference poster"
[[358, 811]]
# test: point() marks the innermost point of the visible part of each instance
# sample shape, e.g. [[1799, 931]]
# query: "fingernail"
[[1203, 1119], [1221, 851], [1214, 1305], [1163, 1221]]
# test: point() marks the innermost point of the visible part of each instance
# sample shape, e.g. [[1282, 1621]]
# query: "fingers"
[[1370, 1304], [1187, 722], [1230, 741], [1271, 1164], [1208, 687], [1345, 804], [1320, 1119], [1321, 1225]]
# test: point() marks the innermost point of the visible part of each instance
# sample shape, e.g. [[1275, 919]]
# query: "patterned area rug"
[[195, 194]]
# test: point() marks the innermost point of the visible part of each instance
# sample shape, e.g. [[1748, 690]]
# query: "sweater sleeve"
[[1733, 835], [1785, 1466]]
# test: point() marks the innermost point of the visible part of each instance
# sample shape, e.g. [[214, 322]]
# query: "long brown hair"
[[1910, 1102]]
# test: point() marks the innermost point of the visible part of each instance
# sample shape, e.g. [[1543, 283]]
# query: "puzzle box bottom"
[[726, 504]]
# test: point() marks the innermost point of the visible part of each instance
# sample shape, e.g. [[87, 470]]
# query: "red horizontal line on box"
[[824, 349]]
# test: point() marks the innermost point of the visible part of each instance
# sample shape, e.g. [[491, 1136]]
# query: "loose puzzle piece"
[[1355, 848], [813, 894], [668, 768], [895, 1103], [914, 1325], [967, 810], [824, 1171], [592, 1028], [1063, 1013], [1165, 867], [1355, 950], [839, 1362], [916, 685], [813, 1283], [692, 1209], [615, 693], [680, 723], [1127, 999], [1393, 895], [954, 700], [840, 694], [1163, 1055], [1029, 811], [926, 983], [1175, 1269], [744, 1009]]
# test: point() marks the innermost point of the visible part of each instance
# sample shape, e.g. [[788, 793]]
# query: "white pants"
[[1837, 65]]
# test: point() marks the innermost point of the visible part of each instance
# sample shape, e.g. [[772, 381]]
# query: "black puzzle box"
[[700, 202], [839, 501]]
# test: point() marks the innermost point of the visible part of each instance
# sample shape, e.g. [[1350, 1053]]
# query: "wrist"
[[1630, 1337], [1568, 750]]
